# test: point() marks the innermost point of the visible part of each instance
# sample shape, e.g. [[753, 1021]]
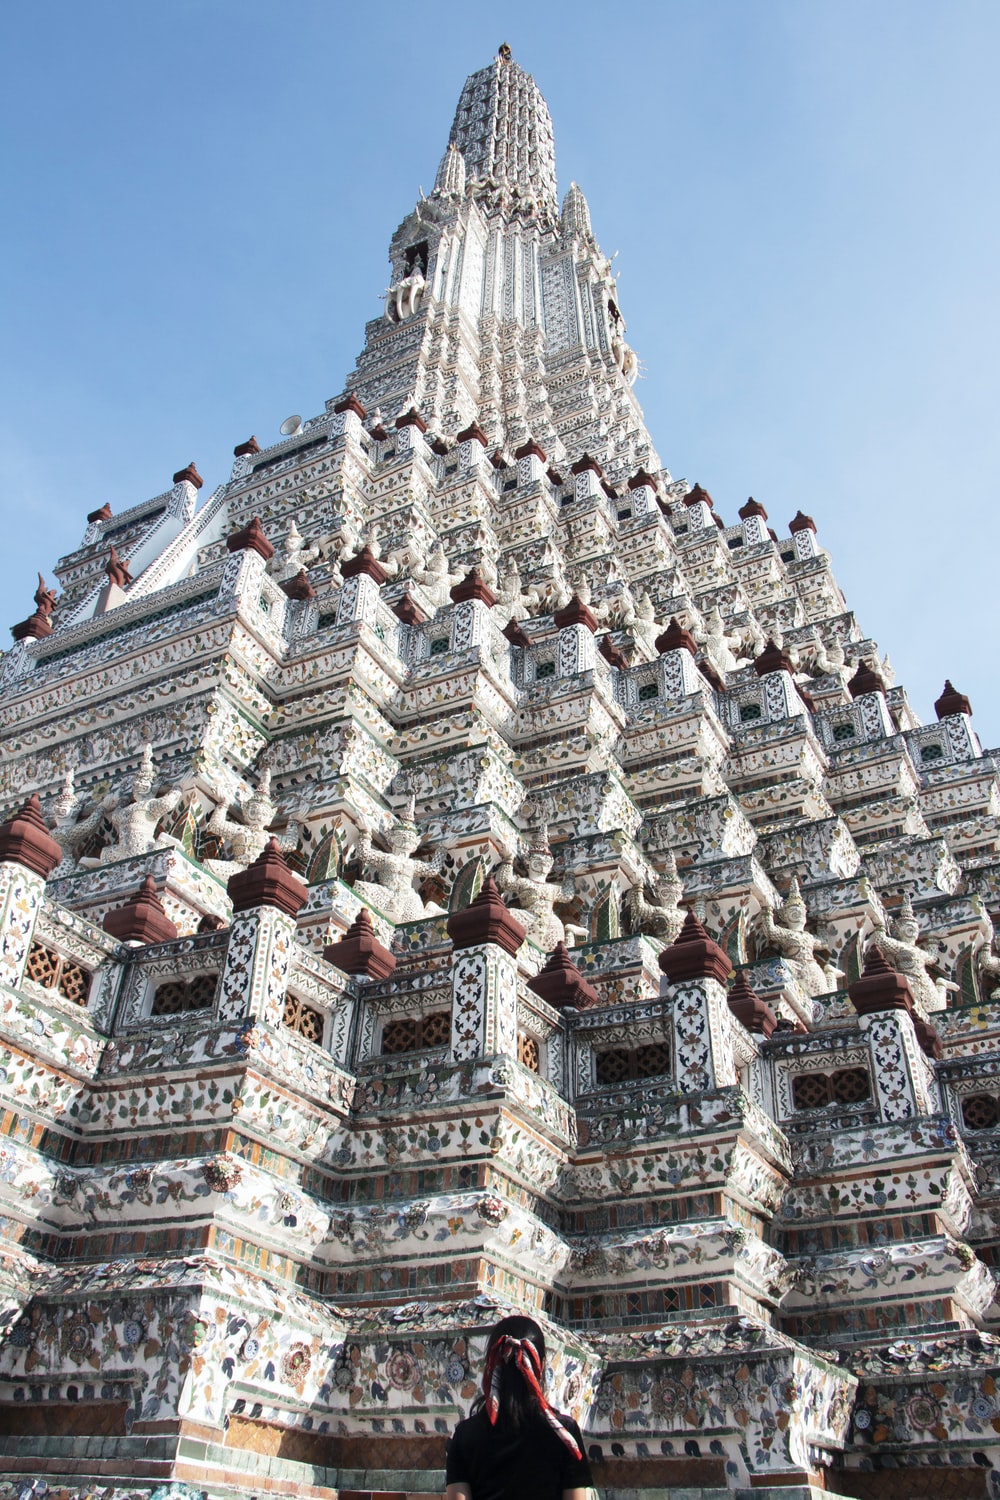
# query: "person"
[[513, 1446]]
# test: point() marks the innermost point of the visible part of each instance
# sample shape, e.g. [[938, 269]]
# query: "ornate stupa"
[[452, 867]]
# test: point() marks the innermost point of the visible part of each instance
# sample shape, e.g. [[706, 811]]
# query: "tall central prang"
[[450, 868]]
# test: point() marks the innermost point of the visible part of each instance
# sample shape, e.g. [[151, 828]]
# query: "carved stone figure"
[[397, 871], [797, 946], [248, 839], [900, 948], [719, 646], [662, 917], [134, 816], [294, 553], [988, 964], [404, 297], [69, 834], [512, 602], [436, 579], [534, 896]]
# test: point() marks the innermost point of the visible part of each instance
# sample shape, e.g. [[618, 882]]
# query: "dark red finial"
[[772, 659], [359, 950], [251, 538], [189, 475], [364, 562], [474, 586], [25, 840], [752, 508], [486, 919], [575, 613], [749, 1009], [299, 587], [268, 882], [142, 919], [865, 680], [950, 702], [880, 987], [676, 638], [694, 955], [561, 984]]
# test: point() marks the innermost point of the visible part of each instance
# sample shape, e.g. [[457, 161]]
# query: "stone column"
[[348, 419], [678, 671], [642, 492], [868, 691], [363, 576], [244, 575], [530, 463], [28, 855], [577, 626], [410, 429], [267, 898], [485, 938], [696, 970], [753, 518], [803, 533], [699, 509], [470, 624], [954, 710], [472, 448], [587, 476], [884, 1001], [781, 696]]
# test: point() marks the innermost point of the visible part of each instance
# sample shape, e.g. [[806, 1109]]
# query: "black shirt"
[[532, 1464]]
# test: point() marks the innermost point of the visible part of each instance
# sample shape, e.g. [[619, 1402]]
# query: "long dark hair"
[[518, 1404]]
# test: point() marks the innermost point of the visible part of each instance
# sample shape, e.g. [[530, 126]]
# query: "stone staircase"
[[225, 1473]]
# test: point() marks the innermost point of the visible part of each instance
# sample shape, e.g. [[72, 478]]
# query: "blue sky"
[[200, 198]]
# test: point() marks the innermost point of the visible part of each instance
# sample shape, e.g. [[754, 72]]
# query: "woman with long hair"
[[513, 1446]]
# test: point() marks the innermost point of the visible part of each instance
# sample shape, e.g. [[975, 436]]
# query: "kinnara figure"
[[987, 958], [247, 840], [900, 948], [662, 917], [69, 834], [533, 896], [396, 872], [134, 816], [797, 946]]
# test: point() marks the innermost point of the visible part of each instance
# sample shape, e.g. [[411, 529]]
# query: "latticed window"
[[850, 1085], [177, 996], [845, 1086], [980, 1111], [414, 1033], [527, 1052], [303, 1018], [618, 1064], [53, 972]]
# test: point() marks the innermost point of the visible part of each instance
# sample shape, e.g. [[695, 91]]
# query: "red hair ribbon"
[[527, 1360]]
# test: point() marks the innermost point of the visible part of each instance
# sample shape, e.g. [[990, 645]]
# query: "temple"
[[451, 868]]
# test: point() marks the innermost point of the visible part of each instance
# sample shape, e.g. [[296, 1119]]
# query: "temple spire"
[[503, 129]]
